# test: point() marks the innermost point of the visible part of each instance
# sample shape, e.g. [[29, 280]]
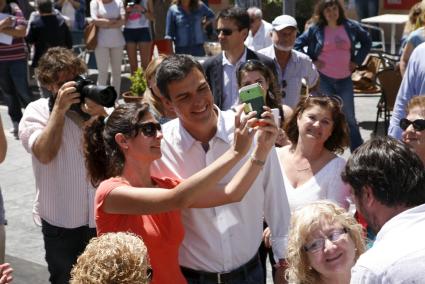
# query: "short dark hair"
[[322, 5], [238, 15], [392, 170], [44, 6], [339, 137], [175, 68]]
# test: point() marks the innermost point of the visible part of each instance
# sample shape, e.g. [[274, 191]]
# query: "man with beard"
[[292, 66], [387, 181], [232, 29]]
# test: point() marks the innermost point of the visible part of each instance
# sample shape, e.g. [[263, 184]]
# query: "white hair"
[[255, 11]]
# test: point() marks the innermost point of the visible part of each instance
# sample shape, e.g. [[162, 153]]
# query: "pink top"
[[336, 53]]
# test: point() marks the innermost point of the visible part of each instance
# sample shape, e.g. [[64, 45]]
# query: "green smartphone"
[[252, 96]]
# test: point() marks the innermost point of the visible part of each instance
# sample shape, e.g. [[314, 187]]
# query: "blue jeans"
[[255, 276], [344, 89], [14, 83], [63, 246]]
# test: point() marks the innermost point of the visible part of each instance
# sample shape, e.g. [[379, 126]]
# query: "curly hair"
[[57, 60], [112, 258], [103, 157], [304, 222], [418, 101], [339, 137]]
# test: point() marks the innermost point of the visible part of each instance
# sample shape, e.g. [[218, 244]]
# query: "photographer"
[[51, 133]]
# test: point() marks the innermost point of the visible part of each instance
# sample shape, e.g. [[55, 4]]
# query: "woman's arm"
[[239, 185], [132, 200], [3, 143], [404, 59], [365, 44], [7, 27], [170, 25], [150, 11]]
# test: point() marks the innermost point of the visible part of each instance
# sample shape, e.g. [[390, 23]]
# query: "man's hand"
[[65, 97]]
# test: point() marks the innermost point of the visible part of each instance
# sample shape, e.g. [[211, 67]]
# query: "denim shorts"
[[137, 35]]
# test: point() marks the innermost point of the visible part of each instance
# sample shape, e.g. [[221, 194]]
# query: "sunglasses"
[[226, 32], [149, 129], [418, 124]]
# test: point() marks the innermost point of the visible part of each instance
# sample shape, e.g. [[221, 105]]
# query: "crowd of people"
[[186, 186]]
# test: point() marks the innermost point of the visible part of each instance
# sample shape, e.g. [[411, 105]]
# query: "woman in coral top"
[[119, 151]]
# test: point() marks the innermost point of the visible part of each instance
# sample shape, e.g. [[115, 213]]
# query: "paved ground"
[[24, 246]]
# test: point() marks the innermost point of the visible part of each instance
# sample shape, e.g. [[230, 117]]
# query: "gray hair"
[[255, 11]]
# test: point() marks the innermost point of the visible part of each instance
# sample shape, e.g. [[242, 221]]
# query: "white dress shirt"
[[299, 67], [64, 196], [262, 37], [230, 82], [398, 253], [223, 238]]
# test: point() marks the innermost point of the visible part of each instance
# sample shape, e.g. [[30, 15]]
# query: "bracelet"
[[257, 161]]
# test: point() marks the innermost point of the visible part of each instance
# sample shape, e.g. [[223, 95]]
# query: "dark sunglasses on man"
[[225, 31], [418, 124]]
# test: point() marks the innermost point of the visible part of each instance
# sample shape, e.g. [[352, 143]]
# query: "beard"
[[283, 48]]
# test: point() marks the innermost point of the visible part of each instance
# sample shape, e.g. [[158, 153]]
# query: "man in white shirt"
[[387, 180], [292, 66], [221, 243], [259, 35], [52, 134]]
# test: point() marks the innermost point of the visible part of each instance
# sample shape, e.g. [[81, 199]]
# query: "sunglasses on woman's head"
[[418, 124], [334, 98], [149, 129]]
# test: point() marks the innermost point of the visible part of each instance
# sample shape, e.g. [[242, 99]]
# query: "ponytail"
[[96, 158]]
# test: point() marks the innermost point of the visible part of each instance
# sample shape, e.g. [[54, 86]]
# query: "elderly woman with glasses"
[[324, 243], [414, 125], [119, 151]]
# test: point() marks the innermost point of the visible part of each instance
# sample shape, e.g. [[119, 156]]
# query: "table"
[[393, 20]]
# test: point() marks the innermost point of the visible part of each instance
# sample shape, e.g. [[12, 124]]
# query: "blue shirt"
[[417, 37], [413, 84], [186, 29]]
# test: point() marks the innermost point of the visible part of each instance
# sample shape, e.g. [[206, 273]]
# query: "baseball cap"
[[284, 21]]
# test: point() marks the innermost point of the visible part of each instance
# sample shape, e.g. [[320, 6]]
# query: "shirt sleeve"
[[94, 9], [311, 75], [405, 93], [276, 205], [338, 191], [32, 125], [363, 275]]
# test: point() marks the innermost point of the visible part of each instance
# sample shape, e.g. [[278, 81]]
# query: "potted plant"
[[137, 88]]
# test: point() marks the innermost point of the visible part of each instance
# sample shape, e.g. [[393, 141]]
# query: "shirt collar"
[[227, 62], [183, 138]]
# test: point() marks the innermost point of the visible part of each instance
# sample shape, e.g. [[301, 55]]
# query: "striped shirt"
[[16, 50], [64, 196]]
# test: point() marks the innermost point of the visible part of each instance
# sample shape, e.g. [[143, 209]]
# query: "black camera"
[[102, 95]]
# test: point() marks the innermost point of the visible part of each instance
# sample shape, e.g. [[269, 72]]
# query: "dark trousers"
[[263, 252], [14, 83], [63, 246]]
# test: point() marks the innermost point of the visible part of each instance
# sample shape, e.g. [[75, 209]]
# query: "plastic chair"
[[389, 82]]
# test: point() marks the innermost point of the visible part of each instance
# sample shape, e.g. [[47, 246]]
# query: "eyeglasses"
[[149, 129], [319, 244], [225, 31], [418, 124]]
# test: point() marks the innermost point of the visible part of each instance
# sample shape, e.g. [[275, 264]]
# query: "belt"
[[238, 273]]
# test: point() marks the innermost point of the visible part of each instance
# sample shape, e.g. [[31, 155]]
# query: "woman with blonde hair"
[[324, 243], [113, 258]]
